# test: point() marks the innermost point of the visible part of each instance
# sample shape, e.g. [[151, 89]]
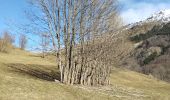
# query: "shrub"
[[150, 58], [165, 30], [141, 37], [160, 72]]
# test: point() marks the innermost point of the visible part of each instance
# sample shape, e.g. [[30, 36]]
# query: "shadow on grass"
[[38, 56], [45, 72]]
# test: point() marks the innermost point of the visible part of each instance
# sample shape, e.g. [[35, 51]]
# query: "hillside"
[[150, 46], [26, 76]]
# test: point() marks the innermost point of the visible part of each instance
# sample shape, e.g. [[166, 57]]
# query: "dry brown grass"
[[24, 76]]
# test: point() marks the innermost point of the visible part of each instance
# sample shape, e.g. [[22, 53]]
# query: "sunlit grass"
[[18, 85]]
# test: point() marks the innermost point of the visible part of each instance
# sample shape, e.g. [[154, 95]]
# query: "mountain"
[[162, 16], [150, 46]]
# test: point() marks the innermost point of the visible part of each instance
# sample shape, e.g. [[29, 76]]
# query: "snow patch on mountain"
[[163, 16]]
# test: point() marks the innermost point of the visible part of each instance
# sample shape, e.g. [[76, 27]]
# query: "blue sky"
[[137, 10], [12, 13], [131, 10], [12, 16], [11, 10]]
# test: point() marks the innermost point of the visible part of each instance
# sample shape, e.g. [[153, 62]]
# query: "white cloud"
[[135, 12]]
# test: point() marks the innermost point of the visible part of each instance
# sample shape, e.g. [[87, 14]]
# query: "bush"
[[150, 58], [159, 72], [142, 37], [165, 30], [159, 68]]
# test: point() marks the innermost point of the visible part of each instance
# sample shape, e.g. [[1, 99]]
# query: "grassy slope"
[[20, 79]]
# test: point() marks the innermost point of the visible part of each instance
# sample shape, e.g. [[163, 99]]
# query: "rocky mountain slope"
[[151, 46]]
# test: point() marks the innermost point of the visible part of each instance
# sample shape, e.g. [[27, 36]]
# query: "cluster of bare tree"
[[8, 39], [77, 29], [6, 42]]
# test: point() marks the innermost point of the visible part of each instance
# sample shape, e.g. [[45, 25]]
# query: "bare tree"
[[8, 37], [22, 41], [6, 42], [79, 26], [44, 44]]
